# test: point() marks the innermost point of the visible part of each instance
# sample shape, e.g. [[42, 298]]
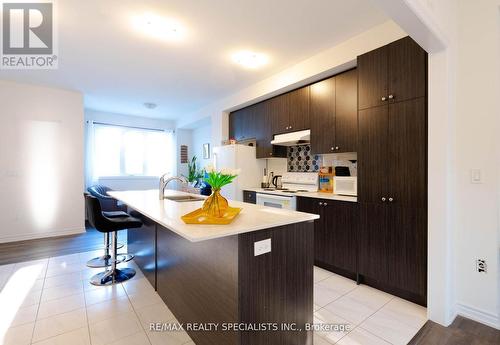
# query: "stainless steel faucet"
[[165, 181]]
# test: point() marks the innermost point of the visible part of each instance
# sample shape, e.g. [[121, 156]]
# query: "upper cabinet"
[[297, 107], [346, 111], [322, 116], [334, 114], [290, 111], [242, 124], [393, 73]]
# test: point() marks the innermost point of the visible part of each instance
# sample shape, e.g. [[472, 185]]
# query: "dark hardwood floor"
[[54, 246], [461, 332]]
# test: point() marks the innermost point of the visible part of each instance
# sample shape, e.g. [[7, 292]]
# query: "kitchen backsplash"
[[301, 159]]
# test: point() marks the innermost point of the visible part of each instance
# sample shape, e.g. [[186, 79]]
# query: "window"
[[128, 151]]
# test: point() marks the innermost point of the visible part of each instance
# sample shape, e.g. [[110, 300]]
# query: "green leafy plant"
[[194, 174], [219, 178]]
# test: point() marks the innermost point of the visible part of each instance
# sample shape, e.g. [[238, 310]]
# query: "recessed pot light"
[[150, 105], [250, 59], [159, 27]]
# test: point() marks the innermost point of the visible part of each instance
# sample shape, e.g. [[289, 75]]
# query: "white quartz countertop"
[[168, 214], [319, 195]]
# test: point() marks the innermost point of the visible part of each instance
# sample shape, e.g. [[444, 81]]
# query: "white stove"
[[292, 183]]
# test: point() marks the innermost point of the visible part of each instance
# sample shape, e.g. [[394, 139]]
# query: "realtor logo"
[[28, 36]]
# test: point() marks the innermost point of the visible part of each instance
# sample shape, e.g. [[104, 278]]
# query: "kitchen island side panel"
[[198, 282], [277, 287]]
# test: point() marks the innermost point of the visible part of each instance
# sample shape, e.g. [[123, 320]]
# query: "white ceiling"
[[118, 69]]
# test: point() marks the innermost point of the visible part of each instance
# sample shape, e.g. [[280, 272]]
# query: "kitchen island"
[[215, 274]]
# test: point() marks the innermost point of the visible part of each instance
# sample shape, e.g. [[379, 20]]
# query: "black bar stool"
[[110, 225], [111, 209]]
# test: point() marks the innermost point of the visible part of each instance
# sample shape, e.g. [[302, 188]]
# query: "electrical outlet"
[[262, 247], [481, 266]]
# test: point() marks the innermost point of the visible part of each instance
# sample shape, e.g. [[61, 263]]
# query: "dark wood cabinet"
[[393, 249], [334, 114], [392, 169], [276, 109], [373, 154], [335, 233], [249, 196], [346, 111], [407, 153], [242, 124], [373, 242], [322, 116], [393, 73], [142, 243], [372, 78], [407, 251], [289, 112], [392, 159], [297, 108], [407, 70]]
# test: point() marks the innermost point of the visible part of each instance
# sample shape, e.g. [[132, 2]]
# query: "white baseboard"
[[32, 236], [478, 315]]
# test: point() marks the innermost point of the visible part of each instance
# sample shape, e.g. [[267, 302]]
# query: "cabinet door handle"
[[286, 127], [391, 199], [270, 153], [391, 96], [325, 204], [320, 203], [289, 127], [332, 148], [336, 147], [383, 199], [383, 98]]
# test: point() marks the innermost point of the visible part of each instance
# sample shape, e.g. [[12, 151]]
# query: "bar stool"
[[110, 225], [111, 209]]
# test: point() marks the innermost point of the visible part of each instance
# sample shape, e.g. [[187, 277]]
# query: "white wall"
[[478, 147], [129, 182], [200, 136], [41, 162]]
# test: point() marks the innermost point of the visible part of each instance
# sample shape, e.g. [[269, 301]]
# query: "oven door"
[[276, 201]]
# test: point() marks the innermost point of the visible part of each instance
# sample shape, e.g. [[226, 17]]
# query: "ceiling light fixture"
[[249, 59], [159, 27]]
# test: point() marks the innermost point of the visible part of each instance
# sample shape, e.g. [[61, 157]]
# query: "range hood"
[[292, 139]]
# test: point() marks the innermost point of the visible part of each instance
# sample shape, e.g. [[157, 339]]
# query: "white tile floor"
[[51, 302], [374, 317]]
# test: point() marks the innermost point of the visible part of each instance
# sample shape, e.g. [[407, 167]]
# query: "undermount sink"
[[183, 198]]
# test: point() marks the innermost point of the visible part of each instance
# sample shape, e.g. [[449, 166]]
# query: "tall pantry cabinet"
[[392, 169]]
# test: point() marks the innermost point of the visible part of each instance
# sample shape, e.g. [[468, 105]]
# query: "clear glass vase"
[[215, 205]]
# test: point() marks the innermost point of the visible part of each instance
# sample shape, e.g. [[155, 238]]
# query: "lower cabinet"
[[393, 249], [334, 233], [380, 244]]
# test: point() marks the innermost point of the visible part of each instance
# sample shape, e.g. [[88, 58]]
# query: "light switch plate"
[[262, 247], [475, 176]]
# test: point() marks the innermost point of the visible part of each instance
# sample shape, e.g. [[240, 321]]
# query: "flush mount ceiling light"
[[159, 27], [250, 59]]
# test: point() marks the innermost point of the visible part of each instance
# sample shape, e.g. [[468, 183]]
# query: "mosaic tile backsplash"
[[301, 159]]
